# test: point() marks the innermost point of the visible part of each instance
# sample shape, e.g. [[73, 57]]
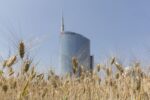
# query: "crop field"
[[122, 84]]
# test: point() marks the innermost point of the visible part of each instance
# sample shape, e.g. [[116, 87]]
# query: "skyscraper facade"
[[73, 45]]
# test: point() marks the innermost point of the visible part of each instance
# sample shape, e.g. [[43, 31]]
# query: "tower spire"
[[62, 24]]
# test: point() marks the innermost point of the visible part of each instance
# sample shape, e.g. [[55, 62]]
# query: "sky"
[[115, 27]]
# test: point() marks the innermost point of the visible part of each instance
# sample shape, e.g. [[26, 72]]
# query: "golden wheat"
[[30, 85], [21, 49]]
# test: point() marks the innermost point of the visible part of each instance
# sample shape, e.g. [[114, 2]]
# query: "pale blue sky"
[[115, 27]]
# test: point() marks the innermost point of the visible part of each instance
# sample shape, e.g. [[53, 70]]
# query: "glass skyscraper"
[[74, 45]]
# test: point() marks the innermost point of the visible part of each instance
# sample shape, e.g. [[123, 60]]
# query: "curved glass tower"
[[74, 45]]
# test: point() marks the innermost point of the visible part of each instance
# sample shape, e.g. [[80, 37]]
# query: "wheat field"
[[123, 84]]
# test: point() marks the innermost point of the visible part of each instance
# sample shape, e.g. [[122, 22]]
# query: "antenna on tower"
[[62, 24]]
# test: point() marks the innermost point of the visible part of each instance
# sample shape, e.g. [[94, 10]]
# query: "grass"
[[131, 84]]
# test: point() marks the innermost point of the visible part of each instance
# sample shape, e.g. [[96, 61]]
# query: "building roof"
[[73, 33]]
